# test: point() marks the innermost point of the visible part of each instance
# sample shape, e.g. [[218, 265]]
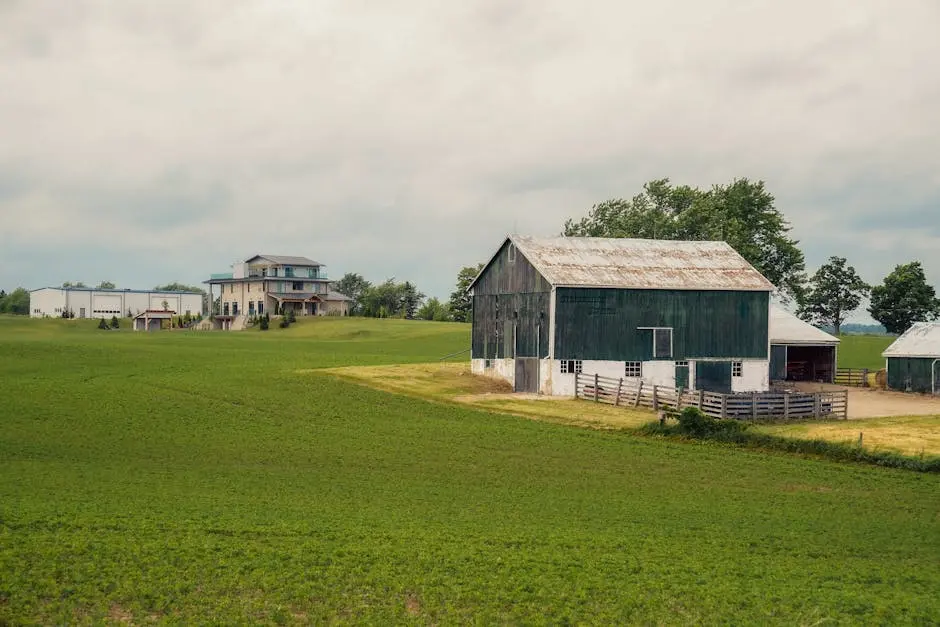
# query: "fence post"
[[786, 405], [655, 400], [701, 399], [754, 406], [595, 387], [724, 405], [678, 399], [639, 390], [864, 377], [619, 389], [576, 384], [817, 405], [845, 405]]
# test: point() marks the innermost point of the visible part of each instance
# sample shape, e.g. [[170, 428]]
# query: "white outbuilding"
[[86, 302], [799, 351]]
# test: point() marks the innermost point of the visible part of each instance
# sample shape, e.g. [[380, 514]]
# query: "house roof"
[[921, 340], [785, 328], [639, 264], [336, 296], [286, 260]]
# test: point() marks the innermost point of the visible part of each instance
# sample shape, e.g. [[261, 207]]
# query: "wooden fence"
[[829, 404], [854, 377]]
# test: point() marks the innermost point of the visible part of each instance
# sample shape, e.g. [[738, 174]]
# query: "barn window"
[[662, 343], [570, 366], [487, 363], [512, 253], [737, 368], [633, 369]]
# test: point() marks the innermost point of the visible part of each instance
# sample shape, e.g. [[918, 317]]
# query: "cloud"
[[169, 139]]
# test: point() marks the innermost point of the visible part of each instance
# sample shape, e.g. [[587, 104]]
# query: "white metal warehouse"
[[87, 302]]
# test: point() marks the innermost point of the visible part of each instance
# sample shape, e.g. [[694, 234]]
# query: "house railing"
[[632, 393], [853, 377]]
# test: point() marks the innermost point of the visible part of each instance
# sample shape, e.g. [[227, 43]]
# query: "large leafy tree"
[[354, 286], [434, 309], [460, 302], [16, 302], [904, 298], [106, 285], [741, 213], [834, 292], [73, 284]]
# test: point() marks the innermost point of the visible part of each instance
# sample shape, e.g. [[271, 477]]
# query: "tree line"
[[743, 214]]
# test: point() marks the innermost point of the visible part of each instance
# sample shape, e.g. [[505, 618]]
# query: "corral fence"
[[753, 406], [852, 377]]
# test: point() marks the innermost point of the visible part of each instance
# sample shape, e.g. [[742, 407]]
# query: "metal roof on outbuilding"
[[785, 328], [921, 340], [640, 264]]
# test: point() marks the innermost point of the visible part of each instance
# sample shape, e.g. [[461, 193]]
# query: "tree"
[[71, 284], [16, 302], [105, 285], [460, 302], [181, 287], [102, 324], [166, 306], [835, 291], [904, 298], [354, 286], [114, 322], [264, 322], [410, 299], [434, 309], [741, 213]]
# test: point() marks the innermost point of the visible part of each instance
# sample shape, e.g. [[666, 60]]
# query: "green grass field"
[[212, 477], [863, 351]]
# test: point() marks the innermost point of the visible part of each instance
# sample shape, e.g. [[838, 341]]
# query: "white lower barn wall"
[[755, 377], [499, 368], [90, 303]]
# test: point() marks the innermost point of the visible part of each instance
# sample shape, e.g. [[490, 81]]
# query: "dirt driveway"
[[874, 403]]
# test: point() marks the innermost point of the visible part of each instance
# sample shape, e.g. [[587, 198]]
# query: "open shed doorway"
[[805, 363]]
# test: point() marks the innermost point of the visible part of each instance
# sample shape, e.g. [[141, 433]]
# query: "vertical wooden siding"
[[904, 369], [510, 298], [603, 324]]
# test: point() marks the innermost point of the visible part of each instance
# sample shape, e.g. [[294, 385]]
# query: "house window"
[[662, 343], [297, 286], [512, 253], [288, 271], [570, 366], [633, 369], [736, 368]]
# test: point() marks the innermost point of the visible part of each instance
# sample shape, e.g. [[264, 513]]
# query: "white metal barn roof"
[[640, 264], [785, 328], [921, 340]]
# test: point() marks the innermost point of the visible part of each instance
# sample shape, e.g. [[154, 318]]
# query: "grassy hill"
[[195, 477]]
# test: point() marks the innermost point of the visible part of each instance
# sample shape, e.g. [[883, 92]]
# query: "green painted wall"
[[603, 323], [902, 370]]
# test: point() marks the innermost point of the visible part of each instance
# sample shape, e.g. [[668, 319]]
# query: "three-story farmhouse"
[[693, 315], [275, 284]]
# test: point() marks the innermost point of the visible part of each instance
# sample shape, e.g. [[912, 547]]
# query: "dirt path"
[[869, 403]]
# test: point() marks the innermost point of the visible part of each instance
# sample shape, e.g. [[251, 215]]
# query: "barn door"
[[682, 375], [936, 376], [527, 375], [713, 376]]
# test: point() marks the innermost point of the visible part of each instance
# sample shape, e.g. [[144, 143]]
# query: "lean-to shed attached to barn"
[[691, 315], [913, 360], [799, 351]]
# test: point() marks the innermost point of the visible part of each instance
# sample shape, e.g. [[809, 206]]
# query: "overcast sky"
[[147, 142]]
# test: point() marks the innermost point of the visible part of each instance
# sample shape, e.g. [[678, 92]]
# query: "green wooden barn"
[[913, 360], [671, 313]]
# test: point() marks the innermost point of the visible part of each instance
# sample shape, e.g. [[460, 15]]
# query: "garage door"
[[106, 304]]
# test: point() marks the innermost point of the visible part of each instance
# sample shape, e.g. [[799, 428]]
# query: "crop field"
[[193, 477], [863, 351]]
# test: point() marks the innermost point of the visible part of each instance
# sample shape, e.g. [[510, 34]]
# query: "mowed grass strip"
[[203, 478]]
